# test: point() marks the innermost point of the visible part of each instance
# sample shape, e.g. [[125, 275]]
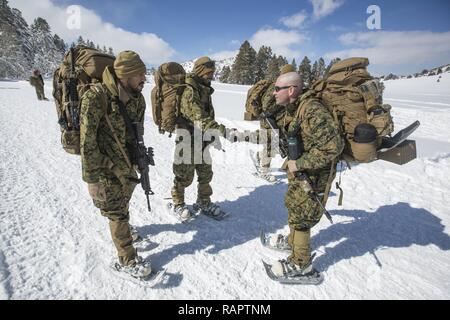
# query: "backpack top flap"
[[348, 65]]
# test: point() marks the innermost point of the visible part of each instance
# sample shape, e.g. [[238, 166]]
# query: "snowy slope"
[[390, 239], [220, 64]]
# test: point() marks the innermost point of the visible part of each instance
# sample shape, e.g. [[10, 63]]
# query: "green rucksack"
[[259, 99], [166, 95], [355, 99], [70, 81]]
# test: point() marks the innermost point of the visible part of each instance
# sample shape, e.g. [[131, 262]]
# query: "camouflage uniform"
[[322, 145], [38, 83], [111, 180], [195, 109], [283, 118], [269, 105]]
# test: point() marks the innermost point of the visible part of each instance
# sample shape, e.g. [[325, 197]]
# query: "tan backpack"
[[355, 100], [170, 82], [70, 82], [259, 98]]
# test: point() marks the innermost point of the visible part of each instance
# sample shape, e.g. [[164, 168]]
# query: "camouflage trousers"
[[184, 176], [113, 200], [303, 214], [40, 92]]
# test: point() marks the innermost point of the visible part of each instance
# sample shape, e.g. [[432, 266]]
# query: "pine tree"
[[40, 25], [282, 61], [321, 68], [111, 51], [104, 49], [332, 62], [59, 43], [314, 73], [273, 70], [305, 71], [81, 41], [244, 67], [225, 74], [294, 64], [48, 48], [262, 62]]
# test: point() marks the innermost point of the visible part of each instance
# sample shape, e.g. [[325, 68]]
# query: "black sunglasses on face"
[[278, 89]]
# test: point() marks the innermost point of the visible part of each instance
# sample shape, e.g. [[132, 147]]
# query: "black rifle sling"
[[126, 118]]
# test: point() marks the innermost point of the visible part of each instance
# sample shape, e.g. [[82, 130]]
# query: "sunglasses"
[[278, 89]]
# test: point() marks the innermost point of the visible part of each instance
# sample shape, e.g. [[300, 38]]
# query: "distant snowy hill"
[[423, 73], [220, 64]]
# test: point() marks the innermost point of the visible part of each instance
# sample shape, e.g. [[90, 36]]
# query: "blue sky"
[[189, 29]]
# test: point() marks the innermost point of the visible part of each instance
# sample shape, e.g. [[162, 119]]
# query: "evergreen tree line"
[[250, 67], [91, 44]]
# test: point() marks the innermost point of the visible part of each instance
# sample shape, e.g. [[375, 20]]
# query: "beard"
[[137, 89]]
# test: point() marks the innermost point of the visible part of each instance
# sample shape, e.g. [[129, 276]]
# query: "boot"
[[182, 212], [137, 268]]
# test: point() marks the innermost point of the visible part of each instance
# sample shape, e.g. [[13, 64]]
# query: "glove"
[[292, 165]]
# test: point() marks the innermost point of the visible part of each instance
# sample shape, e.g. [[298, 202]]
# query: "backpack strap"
[[105, 103]]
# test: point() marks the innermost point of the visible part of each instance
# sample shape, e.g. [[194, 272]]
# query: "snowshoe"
[[276, 242], [263, 173], [211, 210], [287, 272], [181, 212], [140, 270]]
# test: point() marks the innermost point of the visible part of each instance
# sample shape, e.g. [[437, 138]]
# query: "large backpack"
[[81, 67], [355, 100], [170, 82], [259, 99]]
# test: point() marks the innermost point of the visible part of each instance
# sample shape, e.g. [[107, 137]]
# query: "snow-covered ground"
[[390, 240]]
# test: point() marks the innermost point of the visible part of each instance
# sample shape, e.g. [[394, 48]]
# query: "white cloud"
[[235, 42], [151, 48], [282, 42], [335, 28], [296, 20], [223, 55], [395, 48], [323, 8]]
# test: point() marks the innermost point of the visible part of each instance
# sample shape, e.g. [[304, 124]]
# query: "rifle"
[[144, 156], [73, 93], [294, 147], [295, 150]]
